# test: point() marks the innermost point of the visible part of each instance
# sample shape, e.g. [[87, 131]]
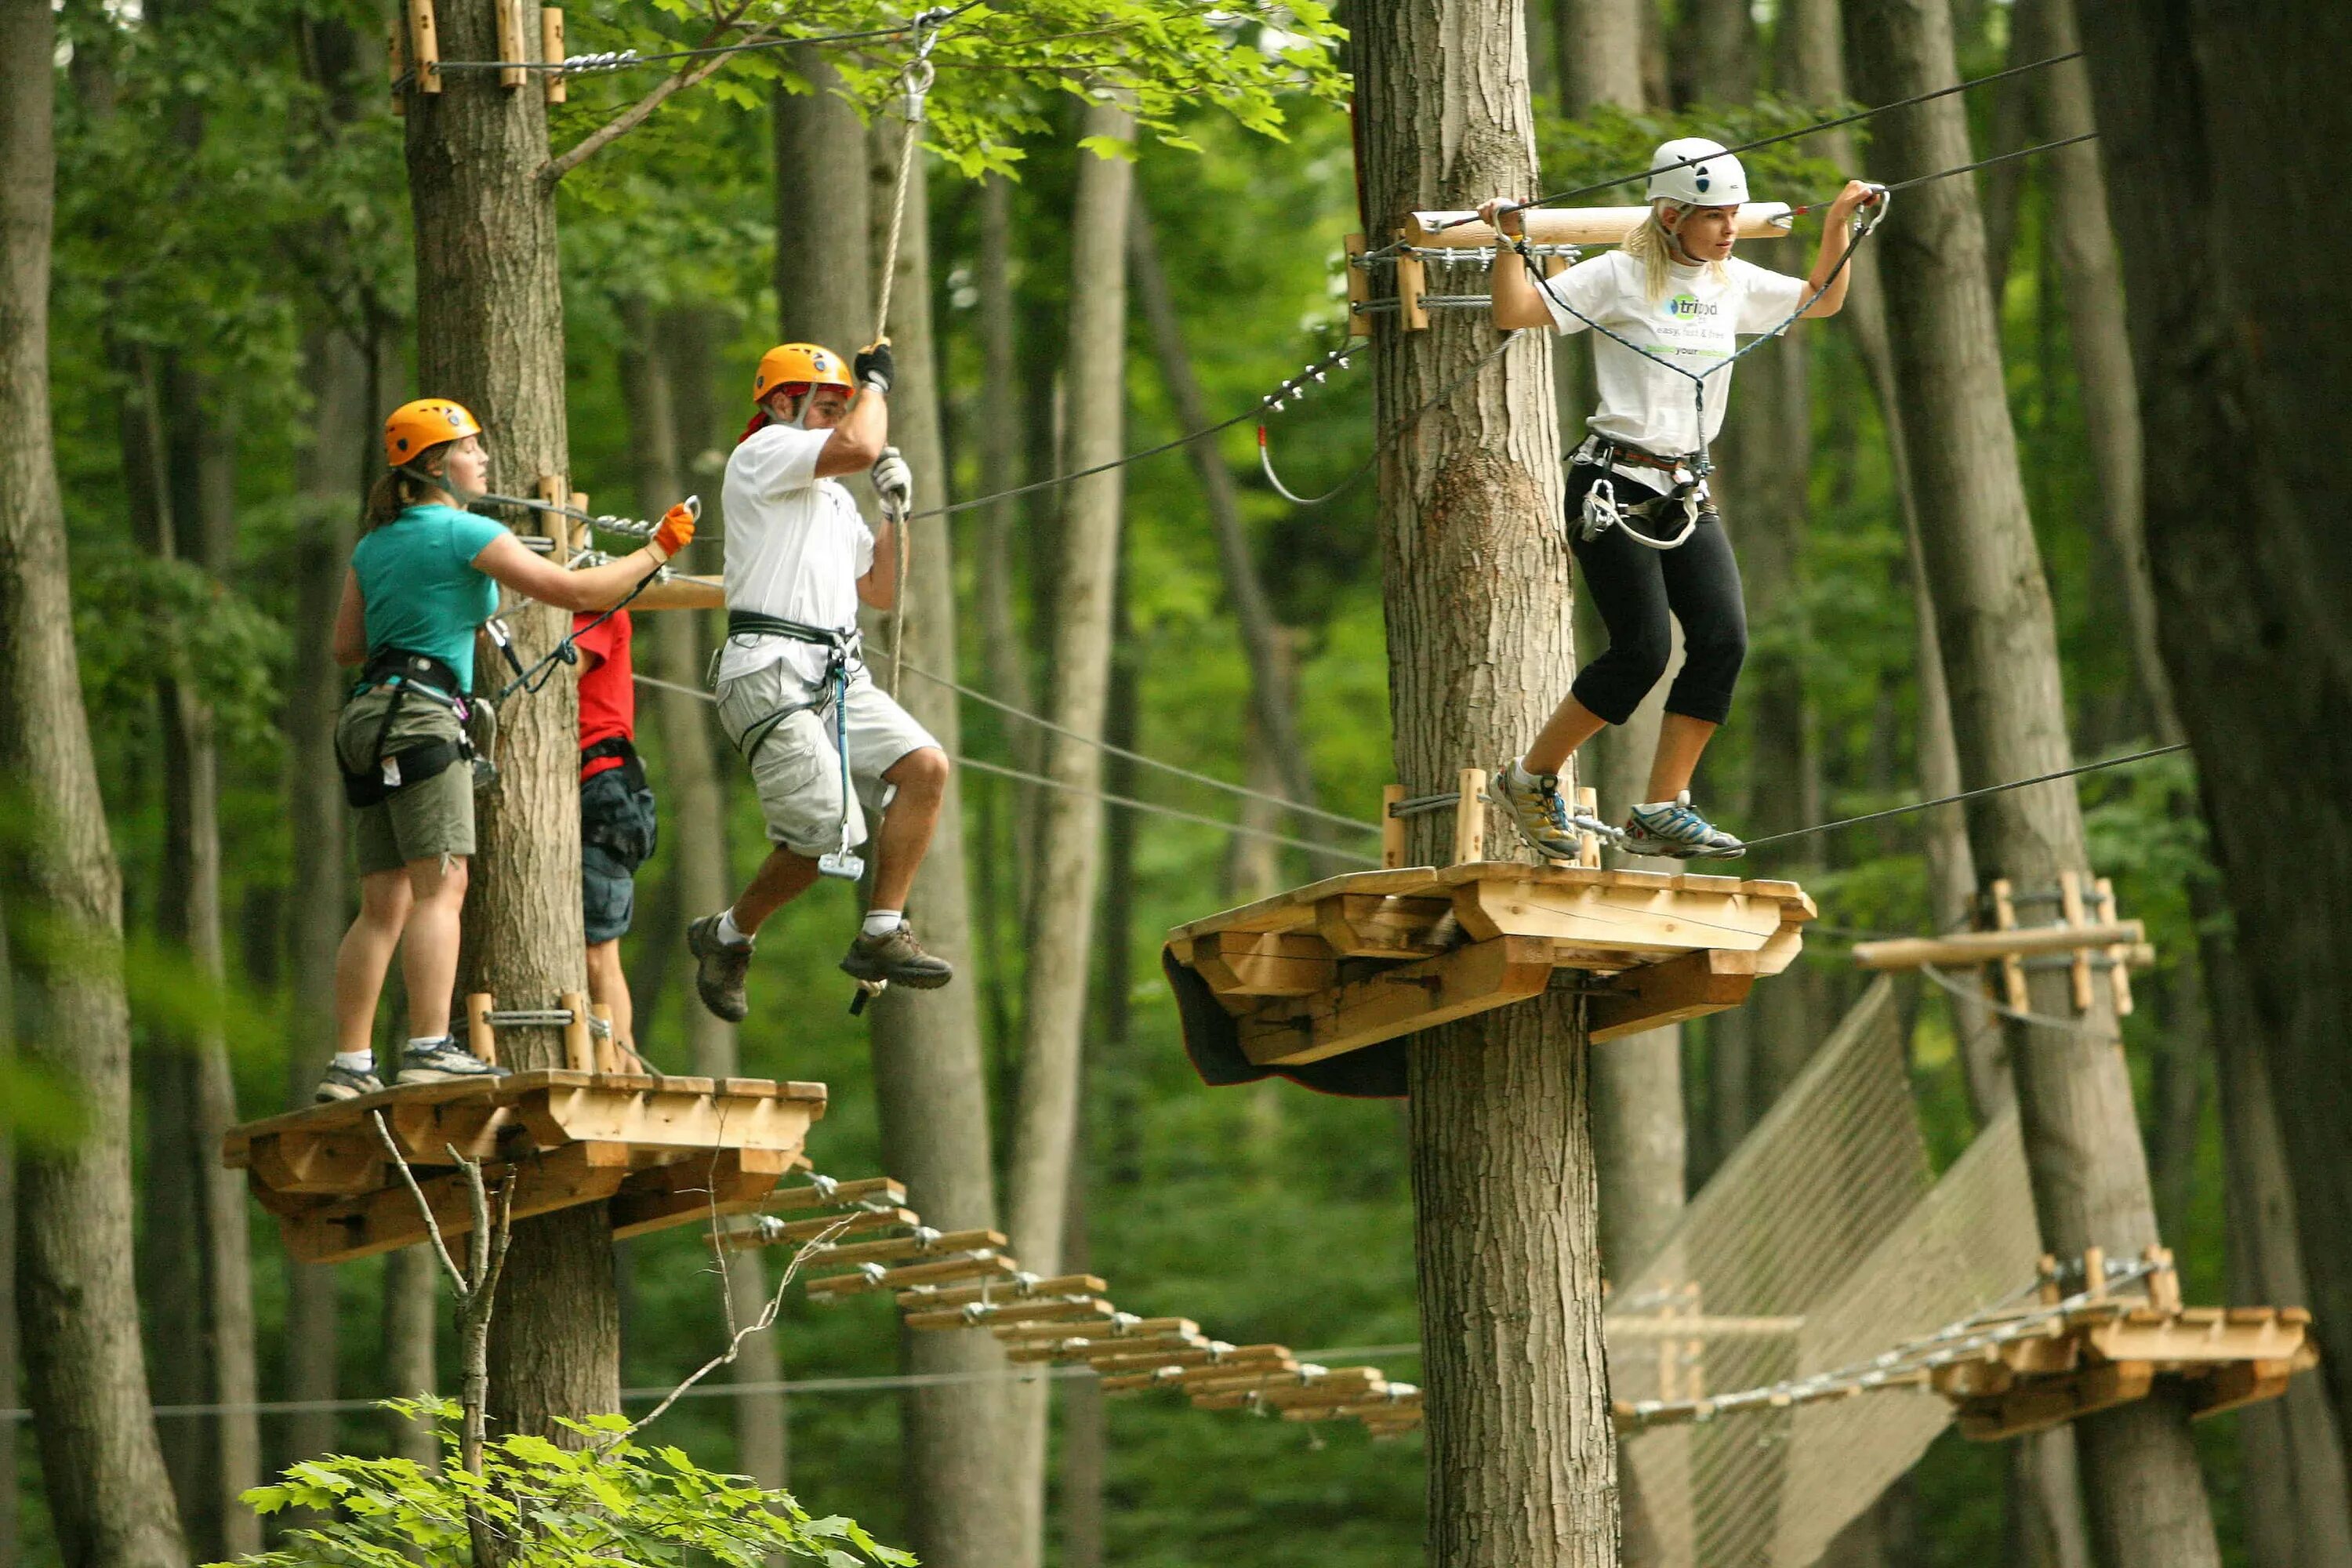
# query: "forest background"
[[232, 299]]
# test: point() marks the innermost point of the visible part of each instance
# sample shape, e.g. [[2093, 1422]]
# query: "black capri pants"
[[1636, 589]]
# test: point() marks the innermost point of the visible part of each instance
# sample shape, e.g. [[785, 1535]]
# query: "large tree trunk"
[[1069, 852], [1522, 1459], [2145, 1496], [2090, 272], [85, 1377], [11, 1521], [2252, 570], [490, 335], [1598, 45], [929, 1071]]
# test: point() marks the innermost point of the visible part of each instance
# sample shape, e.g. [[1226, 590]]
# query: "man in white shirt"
[[824, 744]]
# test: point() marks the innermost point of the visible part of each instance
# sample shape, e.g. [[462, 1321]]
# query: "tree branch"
[[432, 1225], [637, 113]]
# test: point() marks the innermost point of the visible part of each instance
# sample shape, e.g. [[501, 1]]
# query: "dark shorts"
[[616, 837]]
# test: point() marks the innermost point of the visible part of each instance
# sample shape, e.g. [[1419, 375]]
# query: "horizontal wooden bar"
[[1965, 948]]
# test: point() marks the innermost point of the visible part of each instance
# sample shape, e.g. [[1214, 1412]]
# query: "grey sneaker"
[[1541, 813], [895, 955], [718, 971], [442, 1060], [1677, 830], [345, 1083]]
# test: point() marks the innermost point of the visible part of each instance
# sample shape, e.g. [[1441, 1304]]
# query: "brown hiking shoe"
[[718, 971], [897, 956]]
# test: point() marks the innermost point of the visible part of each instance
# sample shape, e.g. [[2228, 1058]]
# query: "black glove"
[[874, 368]]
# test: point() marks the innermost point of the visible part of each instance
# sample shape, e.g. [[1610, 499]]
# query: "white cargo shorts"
[[797, 767]]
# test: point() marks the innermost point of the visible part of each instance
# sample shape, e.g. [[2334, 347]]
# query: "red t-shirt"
[[608, 694]]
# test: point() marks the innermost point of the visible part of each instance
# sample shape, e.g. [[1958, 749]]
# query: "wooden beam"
[[2038, 1406], [1967, 947], [1470, 816], [388, 1218], [984, 1264], [841, 1194], [511, 43], [1377, 925], [1577, 226], [673, 1116], [2012, 972], [1613, 914], [424, 46], [2238, 1384], [1246, 964], [976, 1316], [1392, 827], [1398, 1001], [2118, 957], [481, 1039], [551, 49], [1657, 994], [1360, 290], [687, 1192], [1412, 282], [1059, 1285]]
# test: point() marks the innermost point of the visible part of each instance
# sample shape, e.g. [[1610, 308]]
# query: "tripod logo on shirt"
[[1690, 307]]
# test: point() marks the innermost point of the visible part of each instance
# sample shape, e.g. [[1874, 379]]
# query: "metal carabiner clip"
[[1601, 512]]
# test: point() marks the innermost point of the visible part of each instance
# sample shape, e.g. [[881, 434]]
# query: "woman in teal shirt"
[[423, 578]]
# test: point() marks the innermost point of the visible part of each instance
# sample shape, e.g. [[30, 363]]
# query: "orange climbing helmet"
[[800, 365], [428, 422]]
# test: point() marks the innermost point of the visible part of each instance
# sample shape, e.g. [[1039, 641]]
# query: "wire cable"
[[1266, 457], [1152, 807], [1811, 130], [1919, 805]]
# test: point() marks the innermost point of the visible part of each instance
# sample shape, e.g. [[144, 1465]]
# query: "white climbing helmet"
[[1710, 177]]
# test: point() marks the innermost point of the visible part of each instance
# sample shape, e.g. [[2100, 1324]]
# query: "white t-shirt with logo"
[[795, 548], [1696, 325]]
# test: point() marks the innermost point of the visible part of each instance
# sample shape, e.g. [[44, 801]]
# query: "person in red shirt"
[[617, 809]]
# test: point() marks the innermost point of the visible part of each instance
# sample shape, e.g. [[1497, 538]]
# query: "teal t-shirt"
[[418, 582]]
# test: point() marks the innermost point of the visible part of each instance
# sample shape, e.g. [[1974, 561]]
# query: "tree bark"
[[11, 1512], [2090, 273], [490, 335], [1714, 53], [2145, 1495], [1522, 1459], [824, 270], [1597, 44], [2251, 575], [85, 1377]]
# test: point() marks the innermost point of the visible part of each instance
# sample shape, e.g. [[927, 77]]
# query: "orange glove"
[[676, 529]]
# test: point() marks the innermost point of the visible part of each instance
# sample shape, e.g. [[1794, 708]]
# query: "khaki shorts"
[[430, 820], [796, 767]]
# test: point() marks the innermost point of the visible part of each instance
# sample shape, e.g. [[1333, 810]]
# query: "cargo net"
[[1819, 1245]]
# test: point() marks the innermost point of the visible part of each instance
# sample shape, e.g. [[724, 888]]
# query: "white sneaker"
[[1541, 813], [442, 1060], [1677, 829]]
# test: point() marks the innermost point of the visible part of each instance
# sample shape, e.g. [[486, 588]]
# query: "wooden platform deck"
[[661, 1149], [1365, 957], [2113, 1352]]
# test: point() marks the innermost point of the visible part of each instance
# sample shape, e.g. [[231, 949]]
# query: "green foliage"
[[609, 1502], [138, 619]]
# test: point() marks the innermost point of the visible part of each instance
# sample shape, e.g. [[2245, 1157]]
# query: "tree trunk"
[[490, 335], [1522, 1459], [1599, 47], [11, 1519], [1069, 855], [1714, 53], [332, 475], [2090, 273], [824, 272], [2145, 1495], [85, 1376], [2251, 572], [929, 1071], [1273, 706]]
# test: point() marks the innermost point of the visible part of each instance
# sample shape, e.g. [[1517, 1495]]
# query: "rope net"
[[1820, 1244]]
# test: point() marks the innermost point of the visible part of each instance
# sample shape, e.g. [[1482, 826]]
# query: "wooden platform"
[[1361, 958], [662, 1150], [2113, 1352]]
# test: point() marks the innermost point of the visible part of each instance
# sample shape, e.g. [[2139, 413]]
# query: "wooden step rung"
[[985, 1263], [841, 1194], [919, 1245], [930, 1299]]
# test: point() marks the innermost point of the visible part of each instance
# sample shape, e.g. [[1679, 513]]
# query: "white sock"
[[355, 1061], [882, 923], [729, 931], [1654, 806], [425, 1042]]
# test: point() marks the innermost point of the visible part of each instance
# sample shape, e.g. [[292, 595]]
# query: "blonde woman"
[[1669, 306], [423, 577]]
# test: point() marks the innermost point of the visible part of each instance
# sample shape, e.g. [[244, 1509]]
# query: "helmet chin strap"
[[457, 492]]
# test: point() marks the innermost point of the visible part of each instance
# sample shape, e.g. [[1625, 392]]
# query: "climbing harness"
[[433, 680], [845, 653], [1602, 510]]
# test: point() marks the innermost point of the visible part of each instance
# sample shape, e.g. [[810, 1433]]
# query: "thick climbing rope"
[[915, 86], [1812, 130]]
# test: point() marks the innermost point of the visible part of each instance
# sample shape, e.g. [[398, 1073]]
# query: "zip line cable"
[[1266, 457], [1919, 805], [625, 60], [1153, 807], [1814, 129]]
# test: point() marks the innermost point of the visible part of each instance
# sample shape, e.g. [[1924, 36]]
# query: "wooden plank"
[[1177, 1371], [2038, 1406], [424, 46], [1623, 917], [1094, 1349], [1398, 1001], [550, 48], [1264, 963], [1963, 948], [903, 1247], [1204, 1360], [1380, 925], [388, 1218], [1058, 1285], [841, 1194], [333, 1163], [1470, 816], [511, 43], [2012, 972], [2238, 1384], [1657, 994], [662, 1115], [975, 1315], [686, 1192], [1359, 290], [1412, 282], [983, 1264], [2192, 1338], [2118, 957]]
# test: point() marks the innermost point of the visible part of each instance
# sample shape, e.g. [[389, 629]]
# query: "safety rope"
[[1153, 807], [915, 86], [1814, 129], [1975, 997], [1265, 459]]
